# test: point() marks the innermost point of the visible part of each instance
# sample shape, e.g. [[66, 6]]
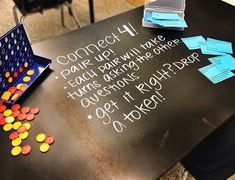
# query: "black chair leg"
[[91, 11], [62, 15], [73, 14], [70, 12]]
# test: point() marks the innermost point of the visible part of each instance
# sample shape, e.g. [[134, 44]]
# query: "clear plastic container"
[[149, 24], [180, 13], [165, 5]]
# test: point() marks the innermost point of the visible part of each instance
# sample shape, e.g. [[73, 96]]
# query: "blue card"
[[166, 16], [170, 23], [148, 17], [193, 42], [226, 62], [205, 50], [214, 74], [218, 45]]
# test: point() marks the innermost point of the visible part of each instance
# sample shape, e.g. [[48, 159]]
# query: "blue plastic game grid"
[[16, 57]]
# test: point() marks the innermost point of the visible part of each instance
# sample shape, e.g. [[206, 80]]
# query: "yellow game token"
[[8, 112], [16, 125], [27, 125], [41, 137], [26, 79], [44, 147], [16, 151], [23, 135], [7, 127], [18, 86], [7, 74], [10, 79], [14, 97], [10, 119], [16, 142], [30, 72], [6, 95], [26, 64]]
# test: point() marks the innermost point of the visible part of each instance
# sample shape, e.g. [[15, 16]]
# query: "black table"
[[168, 116]]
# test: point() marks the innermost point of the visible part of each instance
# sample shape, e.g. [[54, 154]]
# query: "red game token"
[[16, 74], [25, 109], [49, 140], [22, 116], [15, 107], [24, 87], [13, 135], [21, 129], [1, 103], [2, 121], [15, 113], [30, 117], [1, 115], [21, 69], [12, 90], [19, 92], [35, 110], [26, 149], [2, 108]]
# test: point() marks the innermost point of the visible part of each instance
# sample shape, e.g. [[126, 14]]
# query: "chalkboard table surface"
[[115, 117]]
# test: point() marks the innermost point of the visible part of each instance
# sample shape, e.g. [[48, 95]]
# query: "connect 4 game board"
[[19, 67]]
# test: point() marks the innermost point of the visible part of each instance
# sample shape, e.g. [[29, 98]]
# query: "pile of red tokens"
[[16, 121]]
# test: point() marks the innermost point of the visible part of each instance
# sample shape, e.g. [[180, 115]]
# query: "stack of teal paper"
[[210, 46], [165, 20], [221, 66]]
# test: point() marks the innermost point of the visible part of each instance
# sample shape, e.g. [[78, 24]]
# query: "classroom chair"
[[214, 157], [27, 7]]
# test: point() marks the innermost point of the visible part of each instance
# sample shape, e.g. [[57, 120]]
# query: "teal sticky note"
[[205, 50], [170, 23], [193, 42], [214, 74], [218, 45], [158, 22], [226, 62], [166, 16], [148, 17]]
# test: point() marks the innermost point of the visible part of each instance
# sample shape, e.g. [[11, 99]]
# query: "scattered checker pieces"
[[46, 142], [12, 119], [14, 92]]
